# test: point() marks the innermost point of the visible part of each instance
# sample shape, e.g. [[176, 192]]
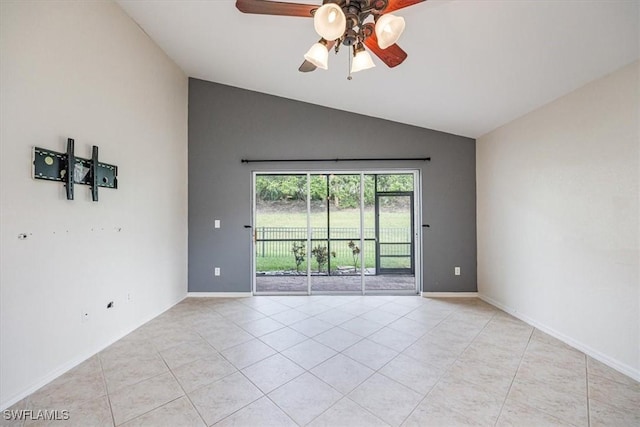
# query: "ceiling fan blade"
[[266, 7], [400, 4], [392, 56], [307, 66]]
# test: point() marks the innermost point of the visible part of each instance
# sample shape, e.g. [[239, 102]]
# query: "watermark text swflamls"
[[37, 415]]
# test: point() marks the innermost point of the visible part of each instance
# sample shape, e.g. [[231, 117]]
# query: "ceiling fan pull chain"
[[349, 77]]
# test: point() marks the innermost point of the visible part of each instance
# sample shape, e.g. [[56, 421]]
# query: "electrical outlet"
[[216, 223], [129, 297], [216, 271], [456, 271]]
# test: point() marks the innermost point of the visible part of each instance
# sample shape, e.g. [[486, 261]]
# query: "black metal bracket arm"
[[66, 167]]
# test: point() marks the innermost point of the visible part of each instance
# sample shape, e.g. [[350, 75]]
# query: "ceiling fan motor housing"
[[357, 12], [350, 37]]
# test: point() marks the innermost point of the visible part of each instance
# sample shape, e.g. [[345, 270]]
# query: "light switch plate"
[[216, 223]]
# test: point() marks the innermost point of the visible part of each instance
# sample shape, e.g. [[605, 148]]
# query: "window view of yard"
[[281, 223]]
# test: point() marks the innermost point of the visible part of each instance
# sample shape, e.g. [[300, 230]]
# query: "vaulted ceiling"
[[472, 66]]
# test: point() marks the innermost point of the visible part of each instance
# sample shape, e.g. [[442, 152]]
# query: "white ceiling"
[[472, 67]]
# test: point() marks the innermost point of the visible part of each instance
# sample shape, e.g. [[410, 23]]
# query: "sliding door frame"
[[417, 228]]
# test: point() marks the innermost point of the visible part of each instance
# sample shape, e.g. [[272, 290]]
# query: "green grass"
[[339, 218], [287, 263], [283, 263]]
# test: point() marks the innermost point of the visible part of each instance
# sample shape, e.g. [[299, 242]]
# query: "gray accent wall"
[[227, 124]]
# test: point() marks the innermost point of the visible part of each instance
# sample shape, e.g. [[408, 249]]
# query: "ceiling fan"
[[352, 23]]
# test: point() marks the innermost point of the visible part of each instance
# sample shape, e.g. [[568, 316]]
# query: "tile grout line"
[[293, 379], [559, 418], [439, 377], [308, 371], [167, 402], [182, 388], [248, 404], [104, 381], [345, 396], [586, 375], [450, 365], [266, 395], [515, 375], [219, 352], [282, 410], [377, 371]]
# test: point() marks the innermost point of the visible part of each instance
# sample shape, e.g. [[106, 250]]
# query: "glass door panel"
[[369, 227], [343, 244], [394, 231], [280, 234], [319, 225]]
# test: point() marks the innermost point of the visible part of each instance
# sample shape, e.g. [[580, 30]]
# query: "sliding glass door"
[[280, 233], [395, 233], [335, 232]]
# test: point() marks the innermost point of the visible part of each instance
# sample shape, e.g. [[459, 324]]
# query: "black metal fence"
[[277, 241]]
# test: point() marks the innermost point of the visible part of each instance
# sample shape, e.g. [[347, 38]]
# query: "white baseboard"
[[449, 294], [612, 363], [61, 370], [219, 294], [74, 362]]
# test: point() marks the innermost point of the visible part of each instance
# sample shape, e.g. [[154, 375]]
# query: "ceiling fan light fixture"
[[361, 59], [329, 21], [318, 55], [389, 28]]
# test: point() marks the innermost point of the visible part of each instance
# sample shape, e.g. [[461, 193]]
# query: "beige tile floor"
[[339, 361]]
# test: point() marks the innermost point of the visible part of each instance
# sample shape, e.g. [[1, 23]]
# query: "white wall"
[[558, 218], [85, 70]]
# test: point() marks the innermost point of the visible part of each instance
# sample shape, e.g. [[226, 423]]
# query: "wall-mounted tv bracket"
[[66, 167]]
